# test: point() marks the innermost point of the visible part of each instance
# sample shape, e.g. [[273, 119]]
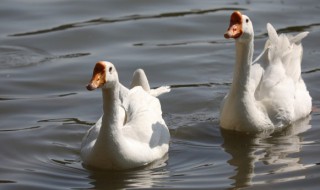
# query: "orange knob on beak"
[[235, 27]]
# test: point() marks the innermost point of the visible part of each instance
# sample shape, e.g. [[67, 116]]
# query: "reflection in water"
[[255, 156], [145, 177]]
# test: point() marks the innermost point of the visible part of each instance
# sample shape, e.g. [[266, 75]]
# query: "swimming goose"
[[269, 93], [131, 132]]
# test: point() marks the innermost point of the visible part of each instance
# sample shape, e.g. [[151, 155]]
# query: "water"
[[48, 50]]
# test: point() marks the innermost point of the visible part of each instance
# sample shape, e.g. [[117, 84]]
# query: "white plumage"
[[131, 131], [269, 93]]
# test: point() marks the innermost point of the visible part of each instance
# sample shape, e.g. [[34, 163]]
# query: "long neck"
[[110, 125], [241, 76], [111, 104]]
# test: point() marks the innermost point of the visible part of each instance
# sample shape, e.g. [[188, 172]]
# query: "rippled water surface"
[[48, 50]]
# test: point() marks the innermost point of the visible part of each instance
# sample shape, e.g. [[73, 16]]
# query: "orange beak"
[[235, 27], [98, 77]]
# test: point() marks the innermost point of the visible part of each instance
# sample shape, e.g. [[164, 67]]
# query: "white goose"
[[269, 93], [131, 131]]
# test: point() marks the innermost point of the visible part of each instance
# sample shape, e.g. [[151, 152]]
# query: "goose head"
[[240, 28], [104, 76]]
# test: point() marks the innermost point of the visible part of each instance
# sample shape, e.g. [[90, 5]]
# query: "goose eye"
[[247, 20], [110, 69]]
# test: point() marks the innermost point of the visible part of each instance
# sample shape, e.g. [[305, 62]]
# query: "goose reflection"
[[143, 177], [264, 154]]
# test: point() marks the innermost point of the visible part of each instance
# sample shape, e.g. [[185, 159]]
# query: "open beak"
[[98, 77], [235, 27]]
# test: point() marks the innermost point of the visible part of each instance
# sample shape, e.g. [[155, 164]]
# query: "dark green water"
[[48, 50]]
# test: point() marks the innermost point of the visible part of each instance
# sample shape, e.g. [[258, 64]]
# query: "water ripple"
[[184, 43], [300, 28], [19, 129], [7, 181], [134, 17], [22, 56], [18, 56], [311, 71], [66, 121], [210, 84], [290, 29], [37, 97]]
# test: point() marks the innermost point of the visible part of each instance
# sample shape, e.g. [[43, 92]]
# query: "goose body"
[[131, 132], [268, 93]]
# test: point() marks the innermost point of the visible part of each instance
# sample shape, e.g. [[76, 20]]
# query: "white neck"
[[241, 76], [110, 119]]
